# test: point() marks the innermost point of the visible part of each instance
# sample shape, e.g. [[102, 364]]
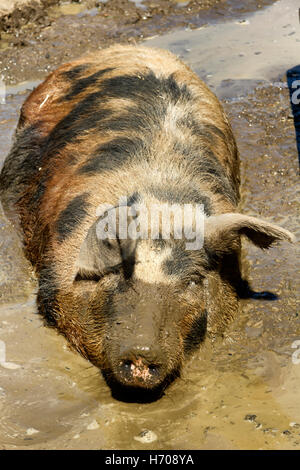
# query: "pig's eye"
[[92, 277], [193, 283]]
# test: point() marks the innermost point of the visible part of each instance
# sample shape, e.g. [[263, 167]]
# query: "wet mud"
[[241, 392], [36, 40]]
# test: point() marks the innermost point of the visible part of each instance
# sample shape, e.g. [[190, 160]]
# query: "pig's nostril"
[[154, 369], [139, 369], [126, 366]]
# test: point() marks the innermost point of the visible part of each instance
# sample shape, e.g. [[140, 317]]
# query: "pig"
[[129, 127]]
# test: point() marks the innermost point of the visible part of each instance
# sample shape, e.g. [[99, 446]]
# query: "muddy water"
[[241, 393], [228, 55]]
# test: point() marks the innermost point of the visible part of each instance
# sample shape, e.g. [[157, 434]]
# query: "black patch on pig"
[[181, 195], [81, 85], [133, 199], [48, 290], [196, 334], [143, 87], [207, 131], [150, 98], [87, 277], [75, 72], [160, 242], [210, 170], [204, 130], [71, 216], [203, 163], [178, 263], [133, 120], [112, 155], [40, 188], [84, 117]]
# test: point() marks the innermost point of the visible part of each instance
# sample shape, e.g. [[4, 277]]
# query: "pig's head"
[[145, 304]]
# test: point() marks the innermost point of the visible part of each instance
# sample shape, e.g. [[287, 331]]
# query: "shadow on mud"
[[244, 291], [293, 81], [137, 394]]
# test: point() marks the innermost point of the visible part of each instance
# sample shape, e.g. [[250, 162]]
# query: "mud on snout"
[[143, 343]]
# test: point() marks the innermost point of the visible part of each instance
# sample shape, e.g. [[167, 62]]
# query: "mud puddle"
[[242, 393], [226, 56], [38, 37]]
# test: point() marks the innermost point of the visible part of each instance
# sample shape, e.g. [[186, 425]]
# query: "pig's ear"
[[99, 256], [223, 230]]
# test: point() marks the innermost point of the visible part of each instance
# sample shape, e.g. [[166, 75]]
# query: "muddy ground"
[[35, 38], [240, 393]]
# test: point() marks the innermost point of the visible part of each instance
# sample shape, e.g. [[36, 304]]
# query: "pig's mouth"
[[141, 385]]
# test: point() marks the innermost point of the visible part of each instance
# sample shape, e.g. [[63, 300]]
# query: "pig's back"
[[107, 123]]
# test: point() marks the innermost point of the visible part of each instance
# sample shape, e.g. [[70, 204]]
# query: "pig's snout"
[[141, 366]]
